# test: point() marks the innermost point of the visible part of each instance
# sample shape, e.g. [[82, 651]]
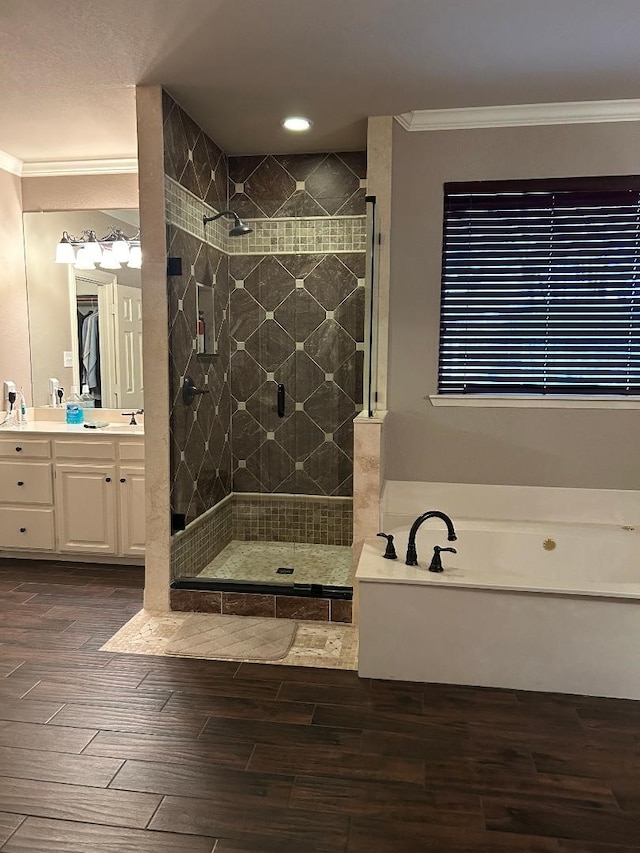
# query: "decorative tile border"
[[292, 518], [287, 235]]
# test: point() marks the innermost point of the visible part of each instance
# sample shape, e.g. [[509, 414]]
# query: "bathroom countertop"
[[62, 428]]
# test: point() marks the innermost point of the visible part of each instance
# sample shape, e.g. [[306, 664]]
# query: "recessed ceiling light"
[[297, 123]]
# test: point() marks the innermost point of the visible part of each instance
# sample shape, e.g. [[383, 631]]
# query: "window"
[[541, 287]]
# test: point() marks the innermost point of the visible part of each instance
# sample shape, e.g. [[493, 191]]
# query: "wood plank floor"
[[123, 753]]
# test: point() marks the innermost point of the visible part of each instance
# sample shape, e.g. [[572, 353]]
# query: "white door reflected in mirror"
[[106, 333]]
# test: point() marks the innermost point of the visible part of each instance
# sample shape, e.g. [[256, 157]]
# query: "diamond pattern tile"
[[350, 314], [246, 375], [271, 465], [330, 282], [329, 346], [329, 407], [299, 436], [270, 345], [332, 183], [267, 185], [328, 465], [300, 375], [299, 314], [202, 460], [246, 314], [269, 283]]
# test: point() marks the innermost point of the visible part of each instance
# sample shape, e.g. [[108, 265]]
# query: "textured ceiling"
[[68, 69]]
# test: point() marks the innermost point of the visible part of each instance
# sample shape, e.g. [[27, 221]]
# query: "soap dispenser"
[[54, 400]]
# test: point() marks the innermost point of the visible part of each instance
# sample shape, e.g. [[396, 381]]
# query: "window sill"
[[533, 401]]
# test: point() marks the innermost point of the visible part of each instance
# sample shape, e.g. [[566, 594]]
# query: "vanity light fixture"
[[296, 123], [109, 251]]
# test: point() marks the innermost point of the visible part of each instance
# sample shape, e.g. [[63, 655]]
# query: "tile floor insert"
[[329, 565], [328, 645]]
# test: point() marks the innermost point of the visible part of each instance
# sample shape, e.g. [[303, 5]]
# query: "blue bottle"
[[74, 414]]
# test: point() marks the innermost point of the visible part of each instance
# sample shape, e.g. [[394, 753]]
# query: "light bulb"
[[120, 249], [64, 251], [94, 252], [135, 258], [83, 261], [109, 260]]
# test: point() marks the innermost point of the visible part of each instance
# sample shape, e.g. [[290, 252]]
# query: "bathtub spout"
[[412, 556]]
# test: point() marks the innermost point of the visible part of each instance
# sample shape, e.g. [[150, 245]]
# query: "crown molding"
[[521, 115], [58, 168], [9, 163]]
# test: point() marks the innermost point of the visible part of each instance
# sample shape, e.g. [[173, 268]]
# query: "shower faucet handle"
[[190, 391]]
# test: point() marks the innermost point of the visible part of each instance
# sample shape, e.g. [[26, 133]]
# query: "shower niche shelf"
[[206, 342]]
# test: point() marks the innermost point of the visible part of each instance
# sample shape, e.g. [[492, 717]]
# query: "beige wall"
[[79, 192], [48, 291], [14, 335], [547, 447]]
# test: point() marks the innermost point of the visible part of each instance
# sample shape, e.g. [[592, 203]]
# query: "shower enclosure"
[[271, 320], [301, 365]]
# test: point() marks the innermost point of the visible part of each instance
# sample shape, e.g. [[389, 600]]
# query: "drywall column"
[[155, 326], [15, 360]]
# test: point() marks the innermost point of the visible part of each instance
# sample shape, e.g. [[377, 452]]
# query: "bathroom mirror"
[[85, 325]]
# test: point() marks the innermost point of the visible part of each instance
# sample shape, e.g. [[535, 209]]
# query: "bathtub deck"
[[126, 752]]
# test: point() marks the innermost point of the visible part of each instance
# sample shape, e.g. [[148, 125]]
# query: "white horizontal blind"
[[540, 287]]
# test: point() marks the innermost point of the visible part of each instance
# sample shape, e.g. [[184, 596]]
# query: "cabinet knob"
[[18, 450], [23, 530], [20, 483], [123, 480], [107, 479]]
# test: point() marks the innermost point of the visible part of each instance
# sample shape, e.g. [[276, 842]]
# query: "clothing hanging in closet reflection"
[[89, 343]]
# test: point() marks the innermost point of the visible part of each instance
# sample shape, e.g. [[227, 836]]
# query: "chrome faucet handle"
[[436, 562]]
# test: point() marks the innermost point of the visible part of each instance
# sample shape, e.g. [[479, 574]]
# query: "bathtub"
[[527, 602]]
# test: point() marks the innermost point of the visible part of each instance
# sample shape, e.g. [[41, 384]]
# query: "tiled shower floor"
[[329, 565]]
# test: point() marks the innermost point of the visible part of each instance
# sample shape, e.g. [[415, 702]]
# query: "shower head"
[[238, 228]]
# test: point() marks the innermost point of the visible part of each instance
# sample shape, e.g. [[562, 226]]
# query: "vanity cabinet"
[[86, 506], [73, 495], [131, 501], [27, 519]]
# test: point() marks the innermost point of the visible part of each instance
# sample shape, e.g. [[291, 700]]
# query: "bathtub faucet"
[[412, 556]]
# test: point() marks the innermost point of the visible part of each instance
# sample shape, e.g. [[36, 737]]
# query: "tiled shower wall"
[[297, 318], [200, 434], [289, 307]]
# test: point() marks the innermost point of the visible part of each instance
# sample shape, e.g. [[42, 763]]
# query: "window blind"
[[540, 287]]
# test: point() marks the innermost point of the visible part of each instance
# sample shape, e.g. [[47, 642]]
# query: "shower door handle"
[[280, 400]]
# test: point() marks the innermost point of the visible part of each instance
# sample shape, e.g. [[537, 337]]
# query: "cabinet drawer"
[[131, 451], [27, 528], [85, 449], [30, 448], [26, 483]]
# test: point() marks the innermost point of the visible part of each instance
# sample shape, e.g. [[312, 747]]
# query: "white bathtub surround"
[[543, 594]]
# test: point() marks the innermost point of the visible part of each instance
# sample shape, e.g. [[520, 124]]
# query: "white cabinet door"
[[131, 491], [86, 501]]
